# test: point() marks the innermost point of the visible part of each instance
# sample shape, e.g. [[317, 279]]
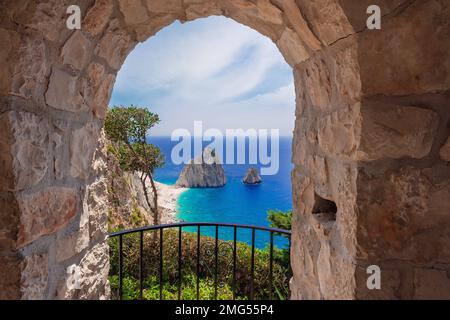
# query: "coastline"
[[167, 201]]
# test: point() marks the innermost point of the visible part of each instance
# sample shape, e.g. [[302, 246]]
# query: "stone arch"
[[371, 135]]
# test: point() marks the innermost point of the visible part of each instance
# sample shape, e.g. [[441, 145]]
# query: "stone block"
[[44, 212], [9, 220], [28, 144], [292, 48], [31, 69], [432, 284], [115, 45], [60, 146], [34, 278], [97, 205], [97, 17], [74, 239], [392, 131], [260, 15], [167, 6], [329, 80], [201, 8], [48, 18], [326, 18], [133, 11], [299, 24], [404, 214], [82, 147], [338, 132], [146, 30], [68, 246], [76, 51], [400, 60], [315, 83], [445, 151], [6, 56], [7, 179], [63, 92], [391, 283], [99, 105], [93, 271], [10, 280]]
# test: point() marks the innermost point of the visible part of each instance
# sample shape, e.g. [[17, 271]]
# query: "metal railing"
[[235, 227]]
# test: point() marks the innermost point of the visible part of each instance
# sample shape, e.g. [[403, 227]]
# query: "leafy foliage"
[[279, 219], [129, 124], [170, 290], [127, 128], [281, 269]]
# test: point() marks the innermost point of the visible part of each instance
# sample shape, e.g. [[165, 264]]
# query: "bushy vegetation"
[[170, 290], [127, 129], [281, 269], [279, 219]]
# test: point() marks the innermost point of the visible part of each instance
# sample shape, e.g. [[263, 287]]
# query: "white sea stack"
[[205, 171]]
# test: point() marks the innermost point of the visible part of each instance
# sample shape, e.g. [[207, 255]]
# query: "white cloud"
[[184, 53], [200, 71], [278, 99]]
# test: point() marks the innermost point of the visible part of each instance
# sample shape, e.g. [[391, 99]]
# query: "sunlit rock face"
[[371, 137], [205, 171]]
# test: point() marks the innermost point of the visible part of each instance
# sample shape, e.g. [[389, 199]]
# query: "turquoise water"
[[235, 202]]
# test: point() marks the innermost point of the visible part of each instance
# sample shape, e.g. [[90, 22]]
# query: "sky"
[[213, 70]]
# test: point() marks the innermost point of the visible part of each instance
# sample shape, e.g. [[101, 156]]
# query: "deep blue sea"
[[235, 202]]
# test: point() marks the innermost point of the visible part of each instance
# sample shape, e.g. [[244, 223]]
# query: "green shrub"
[[136, 216], [281, 269]]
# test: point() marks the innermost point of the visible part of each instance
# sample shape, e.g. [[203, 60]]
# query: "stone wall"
[[374, 122], [371, 137]]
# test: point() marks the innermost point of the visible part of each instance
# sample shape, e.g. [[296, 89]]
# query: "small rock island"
[[205, 171], [252, 177]]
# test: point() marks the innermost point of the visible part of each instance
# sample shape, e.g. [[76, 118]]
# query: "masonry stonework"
[[372, 135]]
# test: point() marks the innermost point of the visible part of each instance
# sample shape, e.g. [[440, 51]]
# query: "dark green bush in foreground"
[[281, 269]]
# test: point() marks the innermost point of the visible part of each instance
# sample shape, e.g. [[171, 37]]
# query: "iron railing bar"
[[120, 267], [161, 263], [179, 261], [198, 262], [202, 224], [141, 264], [252, 279], [234, 261], [271, 267], [272, 231], [216, 262]]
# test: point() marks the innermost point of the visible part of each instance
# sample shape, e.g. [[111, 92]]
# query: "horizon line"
[[192, 136]]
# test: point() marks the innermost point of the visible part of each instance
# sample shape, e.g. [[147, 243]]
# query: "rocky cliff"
[[205, 171], [252, 177], [127, 207]]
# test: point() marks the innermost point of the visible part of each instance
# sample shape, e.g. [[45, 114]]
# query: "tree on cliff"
[[127, 128], [279, 219]]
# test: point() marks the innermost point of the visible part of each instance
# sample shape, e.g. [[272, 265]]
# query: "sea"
[[236, 202]]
